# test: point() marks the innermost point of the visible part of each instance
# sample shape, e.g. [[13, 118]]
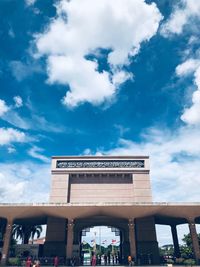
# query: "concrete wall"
[[89, 185], [59, 188], [55, 243], [101, 188], [142, 187], [147, 245], [116, 187]]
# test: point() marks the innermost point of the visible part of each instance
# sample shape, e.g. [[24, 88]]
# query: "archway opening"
[[101, 243], [165, 243]]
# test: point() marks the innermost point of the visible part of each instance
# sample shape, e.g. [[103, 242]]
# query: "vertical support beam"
[[132, 238], [6, 243], [195, 241], [70, 237], [121, 247], [177, 253]]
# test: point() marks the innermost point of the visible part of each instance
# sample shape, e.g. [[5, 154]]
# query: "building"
[[92, 191]]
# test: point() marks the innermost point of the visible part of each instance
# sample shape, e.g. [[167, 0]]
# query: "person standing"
[[28, 262], [56, 261], [129, 260], [94, 260]]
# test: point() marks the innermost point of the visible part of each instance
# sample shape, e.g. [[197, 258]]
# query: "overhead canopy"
[[165, 213]]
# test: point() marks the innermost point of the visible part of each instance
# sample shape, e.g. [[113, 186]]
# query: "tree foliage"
[[25, 232], [187, 248]]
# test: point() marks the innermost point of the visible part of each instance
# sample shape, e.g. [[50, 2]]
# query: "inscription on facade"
[[100, 164]]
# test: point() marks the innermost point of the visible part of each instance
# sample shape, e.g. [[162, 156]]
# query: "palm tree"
[[25, 232], [36, 230]]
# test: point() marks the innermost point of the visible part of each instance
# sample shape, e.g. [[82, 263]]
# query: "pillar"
[[121, 247], [177, 253], [195, 241], [6, 243], [132, 238], [70, 236]]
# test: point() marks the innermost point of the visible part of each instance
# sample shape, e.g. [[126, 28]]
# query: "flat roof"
[[164, 212]]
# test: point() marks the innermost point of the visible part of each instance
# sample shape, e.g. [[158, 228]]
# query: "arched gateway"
[[96, 191], [106, 182]]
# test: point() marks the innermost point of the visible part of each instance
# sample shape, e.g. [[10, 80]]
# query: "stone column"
[[195, 241], [70, 237], [177, 253], [132, 238], [6, 242]]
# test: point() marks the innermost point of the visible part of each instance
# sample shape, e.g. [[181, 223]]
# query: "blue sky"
[[116, 77]]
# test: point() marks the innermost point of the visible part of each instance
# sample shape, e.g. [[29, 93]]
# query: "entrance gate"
[[101, 182], [104, 241]]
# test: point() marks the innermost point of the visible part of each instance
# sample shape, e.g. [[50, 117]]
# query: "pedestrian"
[[94, 260], [37, 263], [56, 261], [105, 259], [129, 260], [28, 262]]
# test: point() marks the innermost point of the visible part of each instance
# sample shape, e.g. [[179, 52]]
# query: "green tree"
[[187, 249], [167, 250]]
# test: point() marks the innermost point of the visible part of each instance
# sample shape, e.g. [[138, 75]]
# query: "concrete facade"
[[100, 184], [94, 191]]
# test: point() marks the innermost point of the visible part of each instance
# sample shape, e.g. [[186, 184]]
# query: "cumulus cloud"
[[19, 182], [174, 159], [82, 28], [191, 115], [182, 15], [10, 135], [3, 107], [187, 67], [18, 101], [185, 13]]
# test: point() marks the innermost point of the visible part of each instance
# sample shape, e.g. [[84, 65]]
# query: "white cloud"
[[21, 70], [19, 182], [174, 159], [18, 101], [191, 115], [35, 152], [30, 2], [11, 33], [11, 149], [84, 27], [10, 135], [34, 122], [120, 77], [187, 67], [88, 84], [182, 15], [186, 13], [3, 107]]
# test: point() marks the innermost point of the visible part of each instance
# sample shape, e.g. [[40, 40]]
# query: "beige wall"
[[98, 188], [142, 187], [89, 185], [59, 188]]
